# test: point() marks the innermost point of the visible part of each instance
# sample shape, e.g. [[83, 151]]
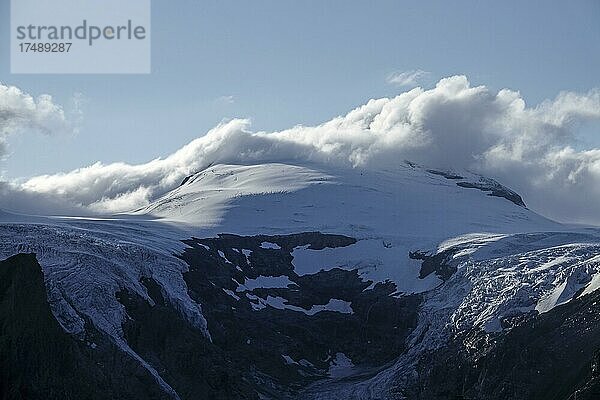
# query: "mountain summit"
[[286, 281]]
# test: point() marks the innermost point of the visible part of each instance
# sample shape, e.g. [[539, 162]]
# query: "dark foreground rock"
[[38, 360], [552, 356]]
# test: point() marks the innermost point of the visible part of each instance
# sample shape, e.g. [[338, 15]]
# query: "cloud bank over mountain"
[[452, 125]]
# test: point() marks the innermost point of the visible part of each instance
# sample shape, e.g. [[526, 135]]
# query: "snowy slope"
[[390, 212], [290, 198]]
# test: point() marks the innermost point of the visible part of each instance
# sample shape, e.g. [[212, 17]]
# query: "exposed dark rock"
[[186, 180], [550, 356], [319, 288], [38, 360], [447, 175], [437, 263], [184, 357], [257, 339], [485, 185], [495, 189]]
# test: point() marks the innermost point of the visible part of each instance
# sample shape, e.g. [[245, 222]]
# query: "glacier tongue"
[[85, 268], [513, 284]]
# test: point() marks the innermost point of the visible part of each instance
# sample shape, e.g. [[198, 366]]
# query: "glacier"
[[507, 259]]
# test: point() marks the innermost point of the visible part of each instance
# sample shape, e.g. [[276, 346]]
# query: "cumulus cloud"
[[407, 78], [19, 111], [453, 125]]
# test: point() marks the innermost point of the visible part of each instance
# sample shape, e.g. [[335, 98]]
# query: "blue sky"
[[287, 62]]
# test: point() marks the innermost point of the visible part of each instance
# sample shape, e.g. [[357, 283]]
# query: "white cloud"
[[19, 111], [451, 125], [407, 78], [229, 99]]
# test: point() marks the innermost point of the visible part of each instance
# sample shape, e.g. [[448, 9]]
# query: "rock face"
[[192, 365], [283, 331], [39, 360], [492, 187], [548, 356]]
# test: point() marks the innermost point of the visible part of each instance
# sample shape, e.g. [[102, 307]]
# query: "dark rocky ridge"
[[435, 263], [183, 356], [494, 188], [447, 175], [544, 357], [38, 360]]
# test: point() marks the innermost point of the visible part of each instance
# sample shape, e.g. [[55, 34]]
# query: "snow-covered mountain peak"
[[204, 198], [283, 197]]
